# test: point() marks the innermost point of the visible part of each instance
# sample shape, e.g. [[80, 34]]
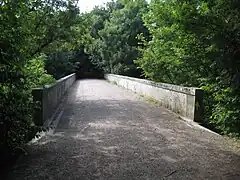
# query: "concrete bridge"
[[103, 131]]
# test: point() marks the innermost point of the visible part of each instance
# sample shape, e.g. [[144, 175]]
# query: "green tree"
[[66, 56], [196, 43], [115, 45], [27, 29]]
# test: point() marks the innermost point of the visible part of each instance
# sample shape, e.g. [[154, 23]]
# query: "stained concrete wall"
[[185, 101], [48, 98]]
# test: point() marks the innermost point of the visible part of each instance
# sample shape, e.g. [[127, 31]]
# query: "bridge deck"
[[106, 132]]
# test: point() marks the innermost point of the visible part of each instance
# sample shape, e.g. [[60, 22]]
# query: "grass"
[[149, 99]]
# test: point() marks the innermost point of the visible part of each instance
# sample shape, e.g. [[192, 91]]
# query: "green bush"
[[222, 109], [36, 74], [16, 120]]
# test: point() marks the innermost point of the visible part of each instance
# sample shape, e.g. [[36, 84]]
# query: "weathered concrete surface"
[[106, 132], [49, 97], [185, 101]]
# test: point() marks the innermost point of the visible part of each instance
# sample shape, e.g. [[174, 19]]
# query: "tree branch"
[[39, 22], [43, 46]]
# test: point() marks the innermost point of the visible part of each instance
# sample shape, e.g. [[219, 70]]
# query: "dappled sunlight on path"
[[106, 132]]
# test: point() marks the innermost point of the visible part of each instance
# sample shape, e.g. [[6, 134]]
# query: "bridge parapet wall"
[[47, 98], [185, 101]]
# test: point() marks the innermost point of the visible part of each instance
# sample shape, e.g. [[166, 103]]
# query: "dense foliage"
[[68, 56], [114, 45], [196, 43], [190, 43], [27, 29]]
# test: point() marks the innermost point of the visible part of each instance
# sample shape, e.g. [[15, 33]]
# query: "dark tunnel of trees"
[[189, 43]]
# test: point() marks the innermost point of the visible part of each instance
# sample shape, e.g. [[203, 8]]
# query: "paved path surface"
[[106, 132]]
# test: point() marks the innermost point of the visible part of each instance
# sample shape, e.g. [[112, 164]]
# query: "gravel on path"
[[107, 132]]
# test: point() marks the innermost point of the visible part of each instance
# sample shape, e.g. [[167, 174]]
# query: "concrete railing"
[[185, 101], [48, 98]]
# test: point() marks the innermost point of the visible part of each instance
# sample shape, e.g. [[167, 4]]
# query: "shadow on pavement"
[[123, 139]]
